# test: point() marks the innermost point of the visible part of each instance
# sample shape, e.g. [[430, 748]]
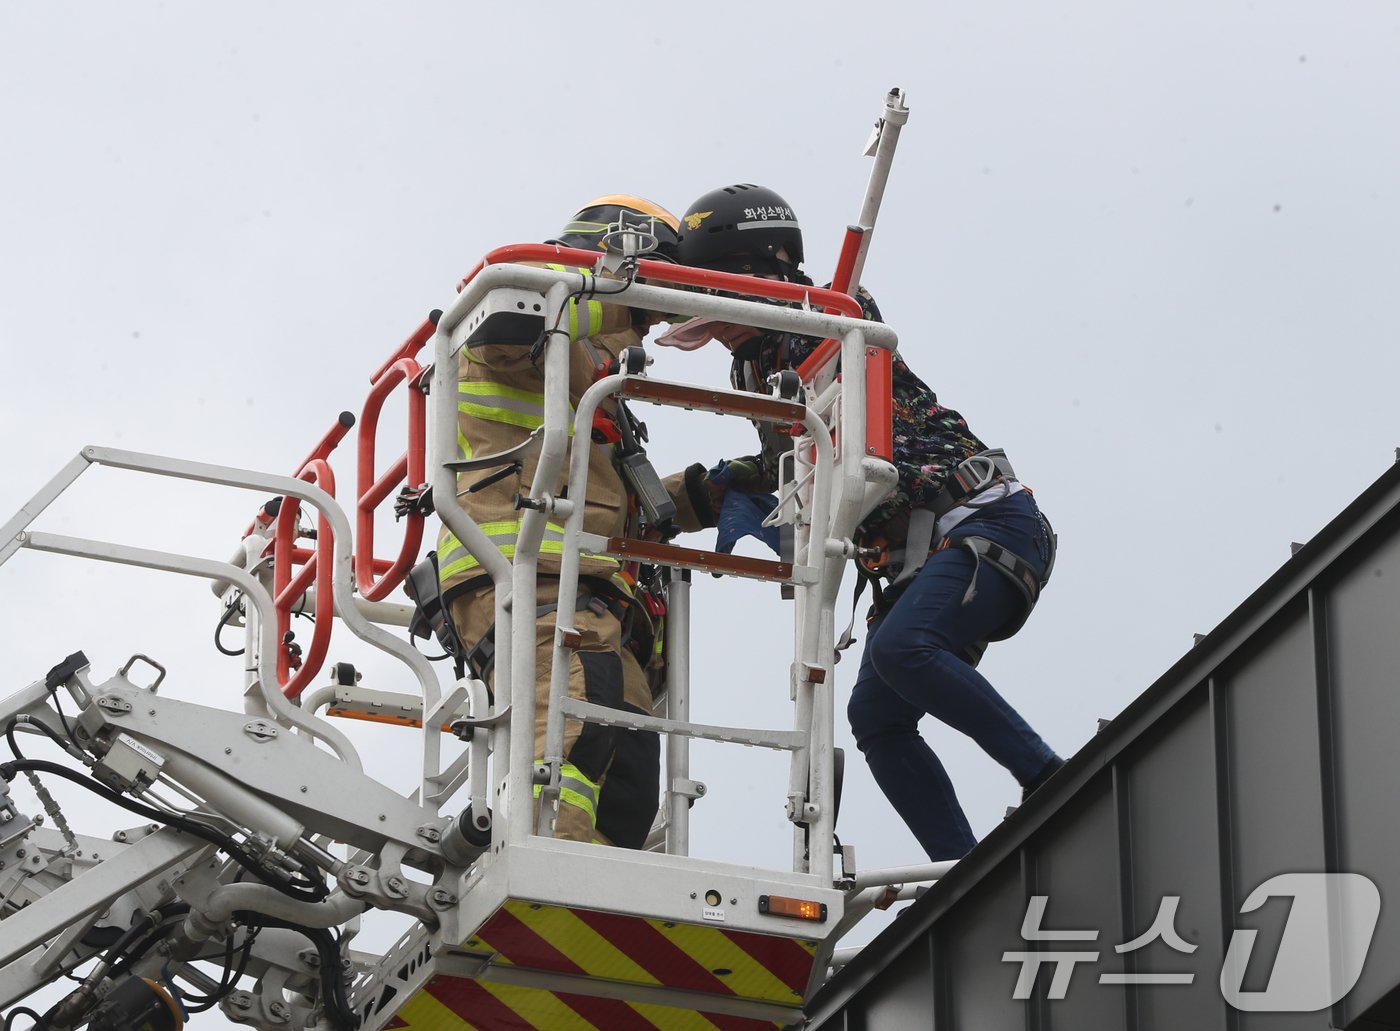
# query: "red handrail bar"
[[837, 298], [879, 363], [410, 347], [402, 368], [681, 275], [343, 422], [333, 436], [288, 589], [840, 280], [411, 466], [300, 556]]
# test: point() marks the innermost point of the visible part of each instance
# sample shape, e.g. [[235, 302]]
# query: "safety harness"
[[968, 479]]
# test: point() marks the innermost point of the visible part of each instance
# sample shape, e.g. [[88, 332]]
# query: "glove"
[[738, 474], [741, 515]]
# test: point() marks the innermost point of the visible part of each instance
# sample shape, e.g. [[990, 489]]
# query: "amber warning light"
[[781, 905]]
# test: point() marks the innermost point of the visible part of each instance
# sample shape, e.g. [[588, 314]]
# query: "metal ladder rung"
[[690, 558], [785, 740], [709, 399]]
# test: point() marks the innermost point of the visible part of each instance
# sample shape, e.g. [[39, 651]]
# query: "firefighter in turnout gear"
[[963, 550], [610, 776]]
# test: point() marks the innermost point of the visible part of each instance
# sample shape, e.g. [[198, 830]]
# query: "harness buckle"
[[977, 472], [971, 476]]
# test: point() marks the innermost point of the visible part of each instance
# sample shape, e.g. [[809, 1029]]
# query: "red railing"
[[837, 299], [295, 671], [371, 492], [375, 578]]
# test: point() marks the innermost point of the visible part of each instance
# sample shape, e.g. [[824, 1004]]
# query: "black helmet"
[[602, 215], [741, 228]]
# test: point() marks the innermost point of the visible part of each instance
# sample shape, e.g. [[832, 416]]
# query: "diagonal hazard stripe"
[[609, 1014], [497, 1007], [745, 976], [422, 1012], [542, 1009], [671, 1019], [634, 950], [471, 1001], [518, 944], [663, 958], [789, 959], [725, 1023], [523, 947], [596, 951]]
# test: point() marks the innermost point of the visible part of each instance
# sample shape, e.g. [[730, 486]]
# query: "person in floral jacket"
[[962, 547]]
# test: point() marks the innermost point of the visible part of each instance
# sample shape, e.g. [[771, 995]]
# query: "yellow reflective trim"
[[449, 567], [487, 388], [568, 796], [713, 950], [593, 953], [595, 320], [505, 415], [673, 1019], [539, 1008], [464, 447], [425, 1012], [496, 413], [448, 545], [450, 570], [572, 772]]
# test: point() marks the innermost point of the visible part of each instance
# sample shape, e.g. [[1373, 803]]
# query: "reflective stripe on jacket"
[[500, 402]]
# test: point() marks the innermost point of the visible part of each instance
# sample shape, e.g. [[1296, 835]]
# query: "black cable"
[[431, 658], [172, 913], [23, 1011], [63, 717], [200, 1003], [229, 981], [588, 288], [118, 948], [314, 891], [333, 997], [43, 728], [229, 610]]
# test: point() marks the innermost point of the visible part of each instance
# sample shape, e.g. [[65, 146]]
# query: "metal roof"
[[1233, 720]]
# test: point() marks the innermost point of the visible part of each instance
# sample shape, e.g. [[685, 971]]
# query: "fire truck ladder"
[[237, 858]]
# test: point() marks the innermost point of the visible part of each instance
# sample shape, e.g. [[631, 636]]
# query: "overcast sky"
[[1150, 250]]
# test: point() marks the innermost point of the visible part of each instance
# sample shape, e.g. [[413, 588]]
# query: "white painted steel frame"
[[836, 495], [811, 785]]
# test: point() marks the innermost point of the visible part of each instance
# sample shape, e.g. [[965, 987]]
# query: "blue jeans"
[[912, 666]]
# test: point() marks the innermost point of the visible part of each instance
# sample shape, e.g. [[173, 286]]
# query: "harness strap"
[[481, 657], [971, 476], [863, 579], [1008, 564], [918, 543]]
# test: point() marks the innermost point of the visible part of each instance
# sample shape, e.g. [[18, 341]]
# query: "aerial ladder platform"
[[262, 841]]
